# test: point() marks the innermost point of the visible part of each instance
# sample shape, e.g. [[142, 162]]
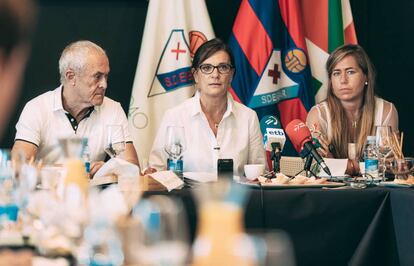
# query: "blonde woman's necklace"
[[354, 123], [354, 120]]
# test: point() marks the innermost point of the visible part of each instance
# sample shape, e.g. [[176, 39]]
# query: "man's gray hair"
[[74, 57]]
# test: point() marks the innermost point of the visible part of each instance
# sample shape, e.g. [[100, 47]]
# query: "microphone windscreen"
[[269, 121], [274, 135], [272, 131], [298, 133]]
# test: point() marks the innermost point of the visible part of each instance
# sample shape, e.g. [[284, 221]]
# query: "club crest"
[[174, 66]]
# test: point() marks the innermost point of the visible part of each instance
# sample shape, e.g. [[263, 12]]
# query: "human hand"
[[148, 170], [95, 167], [324, 147]]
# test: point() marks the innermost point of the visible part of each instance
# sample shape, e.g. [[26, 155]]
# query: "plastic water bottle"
[[176, 166], [86, 156], [371, 158]]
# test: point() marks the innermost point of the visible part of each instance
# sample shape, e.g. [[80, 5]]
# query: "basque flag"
[[328, 24], [272, 69]]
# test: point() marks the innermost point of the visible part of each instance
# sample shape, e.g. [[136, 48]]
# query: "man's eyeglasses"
[[222, 68]]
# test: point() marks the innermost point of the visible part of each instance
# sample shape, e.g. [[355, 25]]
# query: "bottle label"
[[87, 167], [176, 166], [371, 167]]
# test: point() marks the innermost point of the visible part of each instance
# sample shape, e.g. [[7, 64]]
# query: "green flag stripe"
[[335, 26], [316, 85]]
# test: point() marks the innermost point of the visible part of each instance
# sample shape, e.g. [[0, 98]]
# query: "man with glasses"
[[215, 126]]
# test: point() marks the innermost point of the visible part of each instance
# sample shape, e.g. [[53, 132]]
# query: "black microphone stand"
[[275, 156], [307, 167]]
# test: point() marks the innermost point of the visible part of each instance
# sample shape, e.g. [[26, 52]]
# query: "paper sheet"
[[202, 177], [337, 167], [168, 179], [119, 167]]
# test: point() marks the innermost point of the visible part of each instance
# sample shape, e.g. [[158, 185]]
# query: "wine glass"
[[115, 140], [174, 146], [383, 144]]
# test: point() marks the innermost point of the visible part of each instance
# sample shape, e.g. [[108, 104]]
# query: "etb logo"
[[275, 132]]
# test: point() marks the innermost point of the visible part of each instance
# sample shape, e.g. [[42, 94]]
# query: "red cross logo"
[[274, 73], [178, 51]]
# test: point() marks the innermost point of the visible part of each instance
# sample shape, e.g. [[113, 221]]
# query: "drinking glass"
[[383, 144], [353, 165], [115, 141], [8, 207], [402, 168], [72, 148], [175, 143], [164, 240], [271, 247]]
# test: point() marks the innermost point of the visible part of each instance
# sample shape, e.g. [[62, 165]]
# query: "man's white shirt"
[[43, 122]]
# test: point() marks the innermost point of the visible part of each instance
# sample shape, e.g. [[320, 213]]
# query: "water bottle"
[[86, 156], [371, 158], [176, 166]]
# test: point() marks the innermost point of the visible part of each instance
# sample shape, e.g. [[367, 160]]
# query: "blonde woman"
[[351, 110]]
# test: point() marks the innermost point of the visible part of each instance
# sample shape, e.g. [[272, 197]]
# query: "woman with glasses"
[[215, 126], [351, 110]]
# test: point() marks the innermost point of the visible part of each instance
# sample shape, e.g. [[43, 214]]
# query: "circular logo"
[[197, 38], [295, 60], [139, 120]]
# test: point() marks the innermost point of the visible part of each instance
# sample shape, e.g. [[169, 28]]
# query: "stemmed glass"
[[115, 140], [383, 145], [175, 144]]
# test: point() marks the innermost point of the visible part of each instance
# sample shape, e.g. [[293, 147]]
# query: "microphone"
[[301, 139], [272, 133], [274, 139]]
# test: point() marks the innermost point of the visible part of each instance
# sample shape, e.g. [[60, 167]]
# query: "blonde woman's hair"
[[341, 132]]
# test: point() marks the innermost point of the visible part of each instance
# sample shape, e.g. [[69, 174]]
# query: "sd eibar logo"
[[174, 66]]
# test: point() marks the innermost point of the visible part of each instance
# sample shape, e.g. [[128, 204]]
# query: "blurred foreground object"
[[221, 238], [160, 235], [16, 25]]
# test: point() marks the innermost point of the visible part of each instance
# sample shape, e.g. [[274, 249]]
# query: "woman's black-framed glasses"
[[209, 68]]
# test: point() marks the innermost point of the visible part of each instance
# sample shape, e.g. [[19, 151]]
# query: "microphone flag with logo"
[[272, 132], [174, 30], [273, 138]]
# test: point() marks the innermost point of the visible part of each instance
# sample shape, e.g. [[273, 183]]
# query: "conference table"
[[369, 226]]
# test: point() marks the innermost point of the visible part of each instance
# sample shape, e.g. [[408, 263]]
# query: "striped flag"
[[272, 70], [327, 24], [174, 29]]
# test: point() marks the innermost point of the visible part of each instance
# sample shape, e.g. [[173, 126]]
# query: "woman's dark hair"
[[209, 48]]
